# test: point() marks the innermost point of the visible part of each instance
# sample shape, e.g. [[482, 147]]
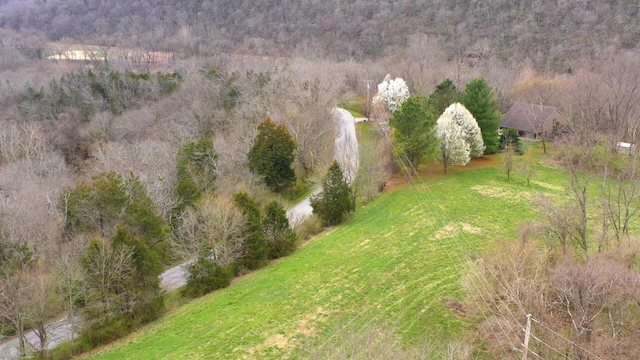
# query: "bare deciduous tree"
[[213, 227]]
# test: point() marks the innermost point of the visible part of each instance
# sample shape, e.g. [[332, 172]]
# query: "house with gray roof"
[[534, 121]]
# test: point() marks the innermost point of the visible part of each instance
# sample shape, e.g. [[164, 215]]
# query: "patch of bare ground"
[[452, 230], [276, 341], [306, 327], [502, 193], [455, 306]]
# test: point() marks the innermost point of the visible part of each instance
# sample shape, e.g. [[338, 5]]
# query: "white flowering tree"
[[391, 93], [454, 150], [469, 125]]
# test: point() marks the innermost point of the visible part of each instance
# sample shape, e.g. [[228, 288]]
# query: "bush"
[[281, 240], [107, 332], [309, 227], [205, 276], [70, 349], [511, 136]]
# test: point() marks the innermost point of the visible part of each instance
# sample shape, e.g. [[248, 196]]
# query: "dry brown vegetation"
[[237, 64]]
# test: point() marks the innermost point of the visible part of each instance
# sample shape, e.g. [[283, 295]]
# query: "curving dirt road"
[[346, 153]]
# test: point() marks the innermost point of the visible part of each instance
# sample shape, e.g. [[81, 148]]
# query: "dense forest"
[[555, 35]]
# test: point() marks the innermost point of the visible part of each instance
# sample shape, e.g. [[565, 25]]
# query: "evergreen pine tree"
[[413, 130], [255, 241], [272, 155], [478, 99], [334, 202], [444, 95], [281, 240]]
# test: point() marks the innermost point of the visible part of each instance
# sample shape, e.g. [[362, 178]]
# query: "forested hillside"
[[140, 134], [553, 34]]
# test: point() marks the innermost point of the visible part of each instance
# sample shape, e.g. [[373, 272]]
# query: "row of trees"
[[460, 131]]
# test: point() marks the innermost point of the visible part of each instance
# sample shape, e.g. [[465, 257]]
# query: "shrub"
[[309, 227], [205, 276], [281, 240], [511, 136]]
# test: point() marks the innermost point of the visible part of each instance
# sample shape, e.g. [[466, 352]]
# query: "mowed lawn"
[[388, 267]]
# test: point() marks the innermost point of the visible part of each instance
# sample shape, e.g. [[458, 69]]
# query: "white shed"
[[625, 148]]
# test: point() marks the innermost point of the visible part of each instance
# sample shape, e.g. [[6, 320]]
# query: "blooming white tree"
[[391, 93], [469, 125], [454, 150]]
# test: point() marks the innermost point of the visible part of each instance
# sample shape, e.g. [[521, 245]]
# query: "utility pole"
[[368, 83], [527, 335]]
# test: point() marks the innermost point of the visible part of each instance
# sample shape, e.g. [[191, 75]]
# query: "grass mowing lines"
[[384, 267]]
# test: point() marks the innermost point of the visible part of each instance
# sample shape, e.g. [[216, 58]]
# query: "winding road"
[[346, 153]]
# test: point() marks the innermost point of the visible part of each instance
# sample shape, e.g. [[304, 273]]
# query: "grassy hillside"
[[389, 267]]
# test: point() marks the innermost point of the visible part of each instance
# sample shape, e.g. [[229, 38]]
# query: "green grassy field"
[[388, 267]]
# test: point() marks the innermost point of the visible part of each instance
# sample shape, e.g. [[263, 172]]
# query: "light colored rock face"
[[346, 153]]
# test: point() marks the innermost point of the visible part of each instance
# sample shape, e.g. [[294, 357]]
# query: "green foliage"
[[196, 172], [96, 206], [257, 252], [122, 285], [413, 130], [334, 203], [146, 261], [478, 99], [272, 155], [110, 200], [391, 264], [444, 95], [511, 137], [88, 93], [14, 257], [205, 276], [281, 240], [230, 98], [356, 106]]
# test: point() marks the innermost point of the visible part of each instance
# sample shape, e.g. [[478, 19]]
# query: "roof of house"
[[527, 117]]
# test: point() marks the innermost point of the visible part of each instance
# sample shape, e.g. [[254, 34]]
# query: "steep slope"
[[389, 267]]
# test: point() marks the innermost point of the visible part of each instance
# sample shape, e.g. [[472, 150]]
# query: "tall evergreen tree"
[[255, 242], [334, 202], [413, 130], [272, 155], [478, 99], [444, 95]]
